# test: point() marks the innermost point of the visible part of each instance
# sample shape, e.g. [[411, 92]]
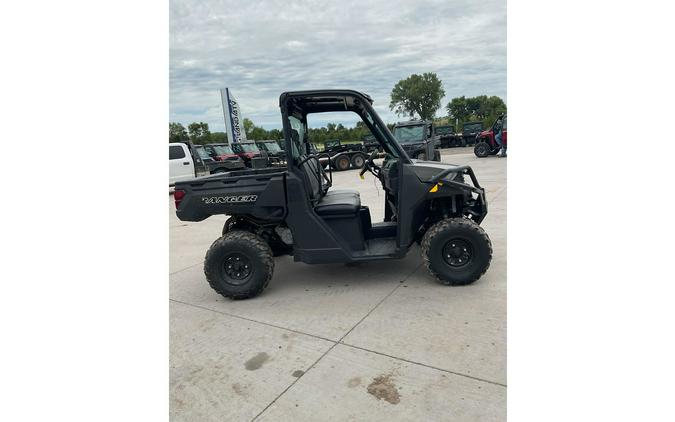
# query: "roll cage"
[[296, 105]]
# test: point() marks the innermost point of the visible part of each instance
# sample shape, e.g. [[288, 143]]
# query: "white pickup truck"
[[182, 165], [187, 161]]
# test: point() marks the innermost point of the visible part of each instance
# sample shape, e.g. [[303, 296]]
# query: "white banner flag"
[[234, 122]]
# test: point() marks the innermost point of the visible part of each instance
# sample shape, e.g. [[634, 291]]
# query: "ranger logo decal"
[[229, 199]]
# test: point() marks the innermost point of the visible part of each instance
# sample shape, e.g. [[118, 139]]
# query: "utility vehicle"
[[469, 132], [418, 139], [294, 210], [446, 134], [223, 152], [485, 141], [276, 156], [370, 144], [250, 153]]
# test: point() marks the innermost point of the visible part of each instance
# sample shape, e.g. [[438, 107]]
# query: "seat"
[[339, 202]]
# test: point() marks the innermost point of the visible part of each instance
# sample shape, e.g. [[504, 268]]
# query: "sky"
[[260, 49]]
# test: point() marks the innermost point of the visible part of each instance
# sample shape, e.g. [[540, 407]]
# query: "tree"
[[177, 133], [458, 109], [218, 138], [275, 134], [199, 132], [474, 109], [248, 126], [418, 94]]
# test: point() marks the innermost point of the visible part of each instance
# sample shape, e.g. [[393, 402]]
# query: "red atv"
[[485, 141]]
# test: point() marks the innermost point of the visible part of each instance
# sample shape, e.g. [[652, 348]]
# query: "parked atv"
[[293, 210], [418, 139], [446, 134], [276, 156], [485, 141], [251, 154], [469, 132]]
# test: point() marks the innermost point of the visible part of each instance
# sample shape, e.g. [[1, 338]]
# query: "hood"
[[425, 170], [224, 157]]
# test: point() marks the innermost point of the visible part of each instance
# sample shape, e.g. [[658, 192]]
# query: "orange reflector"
[[434, 188]]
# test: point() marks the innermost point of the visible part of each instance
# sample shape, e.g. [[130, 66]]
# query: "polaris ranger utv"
[[418, 139], [293, 210]]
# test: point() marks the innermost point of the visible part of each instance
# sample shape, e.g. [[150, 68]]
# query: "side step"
[[382, 247]]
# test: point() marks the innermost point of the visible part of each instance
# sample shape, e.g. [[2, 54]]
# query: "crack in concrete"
[[339, 341]]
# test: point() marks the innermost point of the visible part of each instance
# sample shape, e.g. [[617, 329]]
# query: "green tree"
[[177, 133], [248, 126], [474, 109], [218, 138], [275, 134], [199, 132], [418, 94], [458, 109]]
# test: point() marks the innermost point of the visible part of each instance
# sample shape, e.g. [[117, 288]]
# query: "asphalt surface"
[[377, 341]]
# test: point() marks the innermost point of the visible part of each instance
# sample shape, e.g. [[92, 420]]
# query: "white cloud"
[[261, 49]]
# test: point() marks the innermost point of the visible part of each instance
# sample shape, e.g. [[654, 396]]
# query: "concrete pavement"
[[378, 341]]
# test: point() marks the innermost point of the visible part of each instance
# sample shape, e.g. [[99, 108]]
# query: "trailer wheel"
[[482, 149], [456, 251], [342, 163], [239, 265], [358, 160]]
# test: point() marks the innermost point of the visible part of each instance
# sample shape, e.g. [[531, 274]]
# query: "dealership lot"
[[376, 341]]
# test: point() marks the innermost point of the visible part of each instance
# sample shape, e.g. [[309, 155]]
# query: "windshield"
[[201, 152], [444, 130], [473, 127], [250, 148], [409, 134], [222, 149], [271, 146]]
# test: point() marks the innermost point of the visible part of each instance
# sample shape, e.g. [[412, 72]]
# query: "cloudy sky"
[[260, 49]]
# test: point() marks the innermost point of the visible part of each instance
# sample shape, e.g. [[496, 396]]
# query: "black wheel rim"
[[457, 253], [237, 268], [482, 149]]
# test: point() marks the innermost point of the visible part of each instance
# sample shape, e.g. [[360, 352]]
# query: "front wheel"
[[456, 251], [482, 149], [239, 265]]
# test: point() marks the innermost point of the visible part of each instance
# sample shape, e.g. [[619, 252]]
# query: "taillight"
[[178, 196]]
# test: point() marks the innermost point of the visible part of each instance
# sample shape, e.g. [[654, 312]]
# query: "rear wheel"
[[342, 163], [278, 246], [481, 149], [358, 160], [239, 265], [456, 251]]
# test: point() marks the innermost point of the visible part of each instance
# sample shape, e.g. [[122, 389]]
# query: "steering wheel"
[[370, 166]]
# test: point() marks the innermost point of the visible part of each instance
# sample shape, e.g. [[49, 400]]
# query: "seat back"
[[309, 168]]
